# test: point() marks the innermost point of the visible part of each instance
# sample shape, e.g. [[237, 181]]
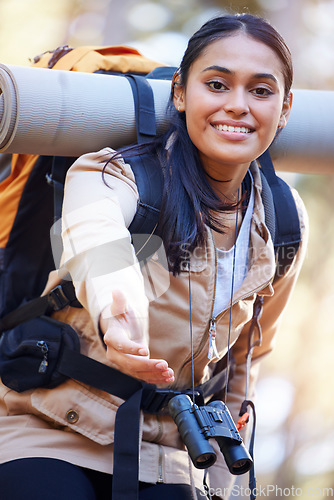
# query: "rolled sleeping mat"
[[306, 144], [68, 113]]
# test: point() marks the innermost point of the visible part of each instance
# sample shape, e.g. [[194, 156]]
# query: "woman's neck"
[[227, 191], [227, 186]]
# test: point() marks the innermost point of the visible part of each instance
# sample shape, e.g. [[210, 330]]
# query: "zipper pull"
[[42, 345], [213, 353]]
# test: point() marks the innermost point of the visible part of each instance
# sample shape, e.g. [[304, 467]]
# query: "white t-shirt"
[[225, 262]]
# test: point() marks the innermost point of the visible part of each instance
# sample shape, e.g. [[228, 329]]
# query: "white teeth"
[[229, 128]]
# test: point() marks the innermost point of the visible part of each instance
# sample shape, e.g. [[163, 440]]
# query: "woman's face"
[[234, 103]]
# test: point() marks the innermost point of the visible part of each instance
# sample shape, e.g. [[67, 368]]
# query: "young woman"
[[231, 96]]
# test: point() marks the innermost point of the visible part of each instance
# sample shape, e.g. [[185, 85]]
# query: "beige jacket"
[[75, 422]]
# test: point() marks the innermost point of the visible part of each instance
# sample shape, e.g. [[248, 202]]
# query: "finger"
[[142, 367], [166, 377], [117, 339], [153, 371], [140, 364]]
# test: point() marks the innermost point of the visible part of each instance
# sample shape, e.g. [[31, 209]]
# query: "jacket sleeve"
[[97, 244], [273, 308]]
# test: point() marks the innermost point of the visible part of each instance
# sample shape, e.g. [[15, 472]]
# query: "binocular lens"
[[241, 466], [206, 460]]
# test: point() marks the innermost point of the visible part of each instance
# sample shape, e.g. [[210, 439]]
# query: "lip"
[[234, 136], [233, 123]]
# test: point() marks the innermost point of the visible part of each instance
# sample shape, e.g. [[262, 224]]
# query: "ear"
[[285, 111], [178, 93]]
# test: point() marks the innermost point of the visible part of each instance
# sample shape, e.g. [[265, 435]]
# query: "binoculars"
[[197, 424]]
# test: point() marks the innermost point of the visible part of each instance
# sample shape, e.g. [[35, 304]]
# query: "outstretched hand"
[[126, 345]]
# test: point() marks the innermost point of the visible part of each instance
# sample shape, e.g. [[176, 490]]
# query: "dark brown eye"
[[214, 85], [262, 92]]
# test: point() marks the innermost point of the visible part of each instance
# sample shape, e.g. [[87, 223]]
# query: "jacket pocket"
[[79, 408]]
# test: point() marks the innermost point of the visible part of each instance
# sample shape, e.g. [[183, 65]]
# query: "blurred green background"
[[294, 453]]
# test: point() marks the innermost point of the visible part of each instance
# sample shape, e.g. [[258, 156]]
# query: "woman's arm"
[[101, 261]]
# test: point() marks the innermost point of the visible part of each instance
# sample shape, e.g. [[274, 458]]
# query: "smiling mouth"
[[229, 128]]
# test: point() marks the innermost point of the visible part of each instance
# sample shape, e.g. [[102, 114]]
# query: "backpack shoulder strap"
[[281, 215], [149, 178], [144, 107]]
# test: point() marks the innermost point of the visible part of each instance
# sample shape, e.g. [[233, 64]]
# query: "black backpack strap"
[[281, 215], [214, 385], [60, 297], [56, 178], [269, 209], [60, 166], [149, 179], [144, 107]]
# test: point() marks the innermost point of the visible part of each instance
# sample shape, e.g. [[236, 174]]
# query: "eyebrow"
[[221, 69], [266, 76]]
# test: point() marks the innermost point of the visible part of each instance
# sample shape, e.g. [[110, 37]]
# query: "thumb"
[[119, 304], [117, 307]]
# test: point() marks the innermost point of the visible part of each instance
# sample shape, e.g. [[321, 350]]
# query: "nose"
[[236, 102]]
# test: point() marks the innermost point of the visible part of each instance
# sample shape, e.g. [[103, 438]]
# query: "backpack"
[[26, 257]]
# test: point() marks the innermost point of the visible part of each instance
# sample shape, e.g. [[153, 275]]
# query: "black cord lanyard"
[[252, 481], [231, 302]]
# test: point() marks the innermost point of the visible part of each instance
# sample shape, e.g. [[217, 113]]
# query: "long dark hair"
[[189, 203]]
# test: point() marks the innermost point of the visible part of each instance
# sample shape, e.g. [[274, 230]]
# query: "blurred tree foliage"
[[304, 350]]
